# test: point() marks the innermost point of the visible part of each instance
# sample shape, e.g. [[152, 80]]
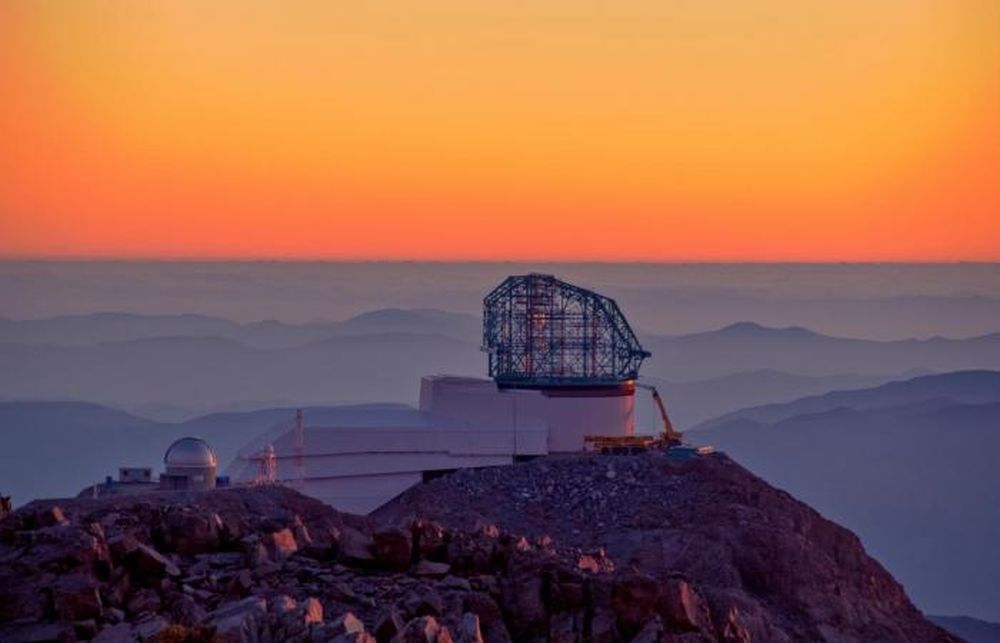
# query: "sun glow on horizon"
[[635, 130]]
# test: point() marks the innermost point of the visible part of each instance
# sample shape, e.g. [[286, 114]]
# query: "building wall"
[[370, 457], [188, 478], [570, 419], [567, 418], [359, 494], [135, 474]]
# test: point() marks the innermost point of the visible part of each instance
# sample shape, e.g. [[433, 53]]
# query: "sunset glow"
[[447, 129]]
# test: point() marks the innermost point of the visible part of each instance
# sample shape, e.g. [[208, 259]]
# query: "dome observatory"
[[190, 464]]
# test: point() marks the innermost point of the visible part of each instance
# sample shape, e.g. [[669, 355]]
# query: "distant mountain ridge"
[[178, 366], [976, 386], [748, 346], [972, 630], [909, 465], [691, 403], [95, 328]]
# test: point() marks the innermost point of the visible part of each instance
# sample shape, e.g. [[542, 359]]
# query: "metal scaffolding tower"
[[541, 332]]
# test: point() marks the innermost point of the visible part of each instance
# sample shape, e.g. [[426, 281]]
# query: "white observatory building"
[[563, 362], [191, 464]]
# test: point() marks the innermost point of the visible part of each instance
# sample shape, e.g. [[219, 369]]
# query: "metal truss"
[[543, 332]]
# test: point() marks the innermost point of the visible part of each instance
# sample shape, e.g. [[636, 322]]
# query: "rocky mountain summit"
[[756, 564], [586, 548]]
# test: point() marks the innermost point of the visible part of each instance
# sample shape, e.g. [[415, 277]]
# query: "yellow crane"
[[670, 436]]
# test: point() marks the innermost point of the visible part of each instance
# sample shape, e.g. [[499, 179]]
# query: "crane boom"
[[670, 440], [669, 433]]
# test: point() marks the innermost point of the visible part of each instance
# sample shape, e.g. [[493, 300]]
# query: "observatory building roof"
[[542, 332], [190, 452]]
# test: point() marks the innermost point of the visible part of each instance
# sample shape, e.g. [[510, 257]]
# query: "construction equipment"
[[623, 444], [670, 436], [632, 444]]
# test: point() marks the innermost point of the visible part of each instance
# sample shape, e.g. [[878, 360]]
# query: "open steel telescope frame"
[[542, 332]]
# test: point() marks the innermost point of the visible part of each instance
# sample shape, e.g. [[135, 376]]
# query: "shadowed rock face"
[[761, 561], [561, 549]]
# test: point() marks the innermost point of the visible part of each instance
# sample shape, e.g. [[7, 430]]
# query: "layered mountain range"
[[177, 367]]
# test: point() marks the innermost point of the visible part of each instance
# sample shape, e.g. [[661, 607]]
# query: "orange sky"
[[483, 129]]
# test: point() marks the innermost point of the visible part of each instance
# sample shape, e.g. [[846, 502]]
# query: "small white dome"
[[190, 452]]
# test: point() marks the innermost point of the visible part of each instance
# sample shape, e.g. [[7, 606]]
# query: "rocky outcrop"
[[686, 548], [500, 558]]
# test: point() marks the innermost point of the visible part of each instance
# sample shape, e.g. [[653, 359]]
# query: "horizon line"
[[485, 261]]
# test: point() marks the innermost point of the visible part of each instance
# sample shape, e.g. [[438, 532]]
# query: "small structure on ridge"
[[191, 464]]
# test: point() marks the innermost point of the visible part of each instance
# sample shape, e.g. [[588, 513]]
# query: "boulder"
[[733, 630], [85, 630], [239, 621], [188, 531], [37, 632], [425, 602], [355, 547], [484, 607], [430, 569], [346, 623], [120, 633], [566, 627], [256, 554], [312, 611], [117, 587], [603, 626], [143, 601], [524, 607], [634, 600], [651, 632], [76, 598], [683, 606], [148, 565], [389, 623], [394, 548], [342, 593], [280, 544], [588, 563], [61, 547], [121, 545], [186, 610], [150, 628], [241, 584], [21, 599], [301, 532], [428, 539], [423, 629], [114, 615], [456, 583], [468, 630], [50, 517], [283, 604]]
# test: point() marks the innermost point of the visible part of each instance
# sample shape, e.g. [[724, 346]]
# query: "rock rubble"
[[561, 549]]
